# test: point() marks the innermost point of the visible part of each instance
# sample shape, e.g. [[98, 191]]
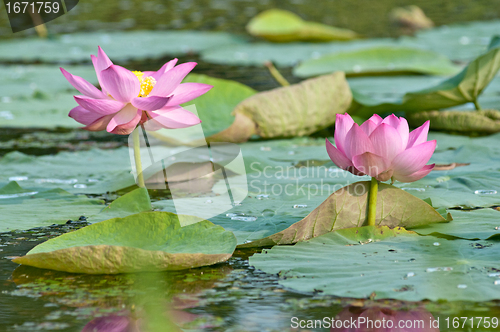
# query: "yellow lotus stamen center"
[[147, 83]]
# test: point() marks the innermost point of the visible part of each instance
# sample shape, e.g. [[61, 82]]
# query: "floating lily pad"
[[22, 209], [279, 25], [465, 87], [347, 208], [133, 202], [42, 80], [91, 172], [397, 265], [119, 46], [487, 121], [148, 241], [478, 224], [380, 61], [296, 110]]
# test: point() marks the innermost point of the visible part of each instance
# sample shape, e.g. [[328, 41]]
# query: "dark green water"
[[226, 297]]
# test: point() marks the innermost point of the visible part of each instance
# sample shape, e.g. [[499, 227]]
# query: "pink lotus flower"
[[382, 148], [129, 98]]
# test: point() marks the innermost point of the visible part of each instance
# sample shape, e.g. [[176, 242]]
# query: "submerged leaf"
[[279, 25], [487, 121], [406, 267], [346, 208], [380, 60], [295, 110], [148, 241], [462, 88]]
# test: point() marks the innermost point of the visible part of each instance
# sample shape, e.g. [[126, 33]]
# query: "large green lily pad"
[[465, 87], [279, 25], [347, 208], [383, 263], [148, 241], [478, 224], [119, 46], [91, 172], [378, 60], [44, 80], [22, 208], [296, 110]]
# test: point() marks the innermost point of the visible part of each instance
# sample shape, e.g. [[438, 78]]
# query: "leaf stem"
[[478, 106], [137, 158], [372, 202], [276, 74]]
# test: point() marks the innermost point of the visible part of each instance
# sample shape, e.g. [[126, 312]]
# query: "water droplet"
[[485, 192], [464, 40], [265, 148], [462, 286], [248, 241], [435, 269], [262, 196], [59, 181], [410, 274], [80, 186], [414, 189], [236, 203], [299, 206], [18, 178], [18, 195], [209, 201], [291, 153], [443, 179], [356, 68], [230, 215], [494, 275], [92, 180], [436, 244], [497, 228], [244, 218], [496, 282]]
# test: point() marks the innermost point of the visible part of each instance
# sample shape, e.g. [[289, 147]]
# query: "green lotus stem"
[[478, 106], [372, 202], [276, 74], [137, 158]]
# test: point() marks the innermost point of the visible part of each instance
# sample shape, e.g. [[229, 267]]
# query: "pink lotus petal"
[[127, 128], [356, 142], [419, 135], [112, 323], [166, 67], [175, 117], [99, 124], [98, 74], [127, 114], [371, 164], [377, 119], [103, 62], [100, 106], [84, 116], [121, 83], [151, 103], [368, 126], [413, 159], [188, 91], [386, 141], [343, 123], [414, 176], [82, 85], [404, 131], [337, 156], [169, 81], [392, 120]]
